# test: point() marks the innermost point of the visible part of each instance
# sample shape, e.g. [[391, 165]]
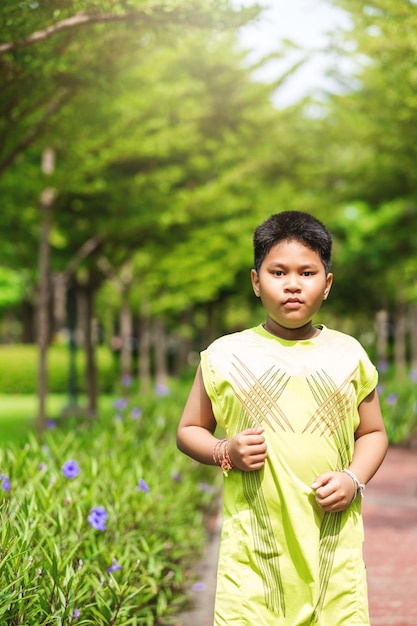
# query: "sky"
[[306, 22]]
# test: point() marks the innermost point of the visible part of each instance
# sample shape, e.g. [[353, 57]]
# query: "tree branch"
[[33, 132], [80, 19], [82, 253], [156, 16]]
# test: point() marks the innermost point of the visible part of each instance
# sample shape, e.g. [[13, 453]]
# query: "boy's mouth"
[[293, 301]]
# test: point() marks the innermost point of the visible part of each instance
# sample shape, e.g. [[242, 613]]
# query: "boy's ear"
[[255, 282], [329, 281]]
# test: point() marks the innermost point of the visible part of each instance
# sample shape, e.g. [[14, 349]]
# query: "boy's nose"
[[292, 283]]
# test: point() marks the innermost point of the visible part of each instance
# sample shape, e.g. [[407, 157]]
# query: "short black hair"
[[292, 226]]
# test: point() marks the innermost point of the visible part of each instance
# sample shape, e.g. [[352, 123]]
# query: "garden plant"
[[100, 520], [398, 398]]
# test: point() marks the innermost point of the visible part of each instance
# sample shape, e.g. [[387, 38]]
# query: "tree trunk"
[[382, 326], [184, 353], [28, 321], [412, 323], [86, 319], [59, 283], [145, 334], [400, 358], [160, 343], [43, 307], [71, 313], [126, 336], [44, 296]]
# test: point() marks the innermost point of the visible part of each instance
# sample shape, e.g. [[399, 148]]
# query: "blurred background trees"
[[166, 155]]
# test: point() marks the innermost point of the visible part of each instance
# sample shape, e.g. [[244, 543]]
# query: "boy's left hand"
[[334, 491]]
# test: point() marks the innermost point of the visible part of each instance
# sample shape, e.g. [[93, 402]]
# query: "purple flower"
[[76, 614], [206, 488], [136, 413], [176, 476], [392, 399], [199, 586], [142, 486], [51, 424], [413, 376], [98, 517], [382, 366], [114, 567], [127, 380], [70, 469], [161, 390], [5, 482], [120, 404]]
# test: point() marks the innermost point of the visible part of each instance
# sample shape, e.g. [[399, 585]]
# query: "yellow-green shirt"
[[284, 561]]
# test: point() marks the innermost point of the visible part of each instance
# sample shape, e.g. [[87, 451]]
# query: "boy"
[[304, 434]]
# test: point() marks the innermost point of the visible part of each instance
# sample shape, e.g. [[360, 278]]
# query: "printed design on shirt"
[[334, 406], [259, 399], [329, 537], [259, 396], [266, 550]]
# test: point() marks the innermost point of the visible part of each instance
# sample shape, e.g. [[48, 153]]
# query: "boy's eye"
[[303, 273]]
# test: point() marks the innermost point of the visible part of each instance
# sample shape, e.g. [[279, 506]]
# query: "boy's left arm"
[[371, 441], [335, 490]]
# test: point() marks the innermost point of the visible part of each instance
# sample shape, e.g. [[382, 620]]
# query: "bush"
[[399, 404], [19, 369], [99, 522]]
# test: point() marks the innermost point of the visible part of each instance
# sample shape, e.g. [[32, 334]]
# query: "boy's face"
[[292, 284]]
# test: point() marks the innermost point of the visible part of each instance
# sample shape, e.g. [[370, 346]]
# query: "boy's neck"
[[308, 331]]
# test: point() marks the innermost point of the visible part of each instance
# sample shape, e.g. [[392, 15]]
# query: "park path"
[[390, 517]]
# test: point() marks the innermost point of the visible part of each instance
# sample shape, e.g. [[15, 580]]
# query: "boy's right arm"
[[195, 434]]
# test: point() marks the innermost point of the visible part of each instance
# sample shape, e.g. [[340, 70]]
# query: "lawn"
[[18, 414]]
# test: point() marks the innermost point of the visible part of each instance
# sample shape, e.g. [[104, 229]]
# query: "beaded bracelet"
[[216, 452], [221, 456], [226, 463], [359, 487]]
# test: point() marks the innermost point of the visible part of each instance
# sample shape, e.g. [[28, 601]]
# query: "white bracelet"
[[359, 487]]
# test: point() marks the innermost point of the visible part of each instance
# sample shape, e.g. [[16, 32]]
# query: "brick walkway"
[[390, 516]]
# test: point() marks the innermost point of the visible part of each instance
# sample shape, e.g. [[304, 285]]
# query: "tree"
[[369, 168], [45, 61], [48, 115]]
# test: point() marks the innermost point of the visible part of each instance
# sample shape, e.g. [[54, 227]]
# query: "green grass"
[[18, 413], [19, 366]]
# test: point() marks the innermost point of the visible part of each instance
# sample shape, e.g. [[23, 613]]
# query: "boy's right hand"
[[247, 449]]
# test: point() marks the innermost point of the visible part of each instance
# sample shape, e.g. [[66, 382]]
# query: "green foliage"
[[53, 561], [11, 287], [399, 404], [153, 126], [19, 367], [364, 243], [170, 153]]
